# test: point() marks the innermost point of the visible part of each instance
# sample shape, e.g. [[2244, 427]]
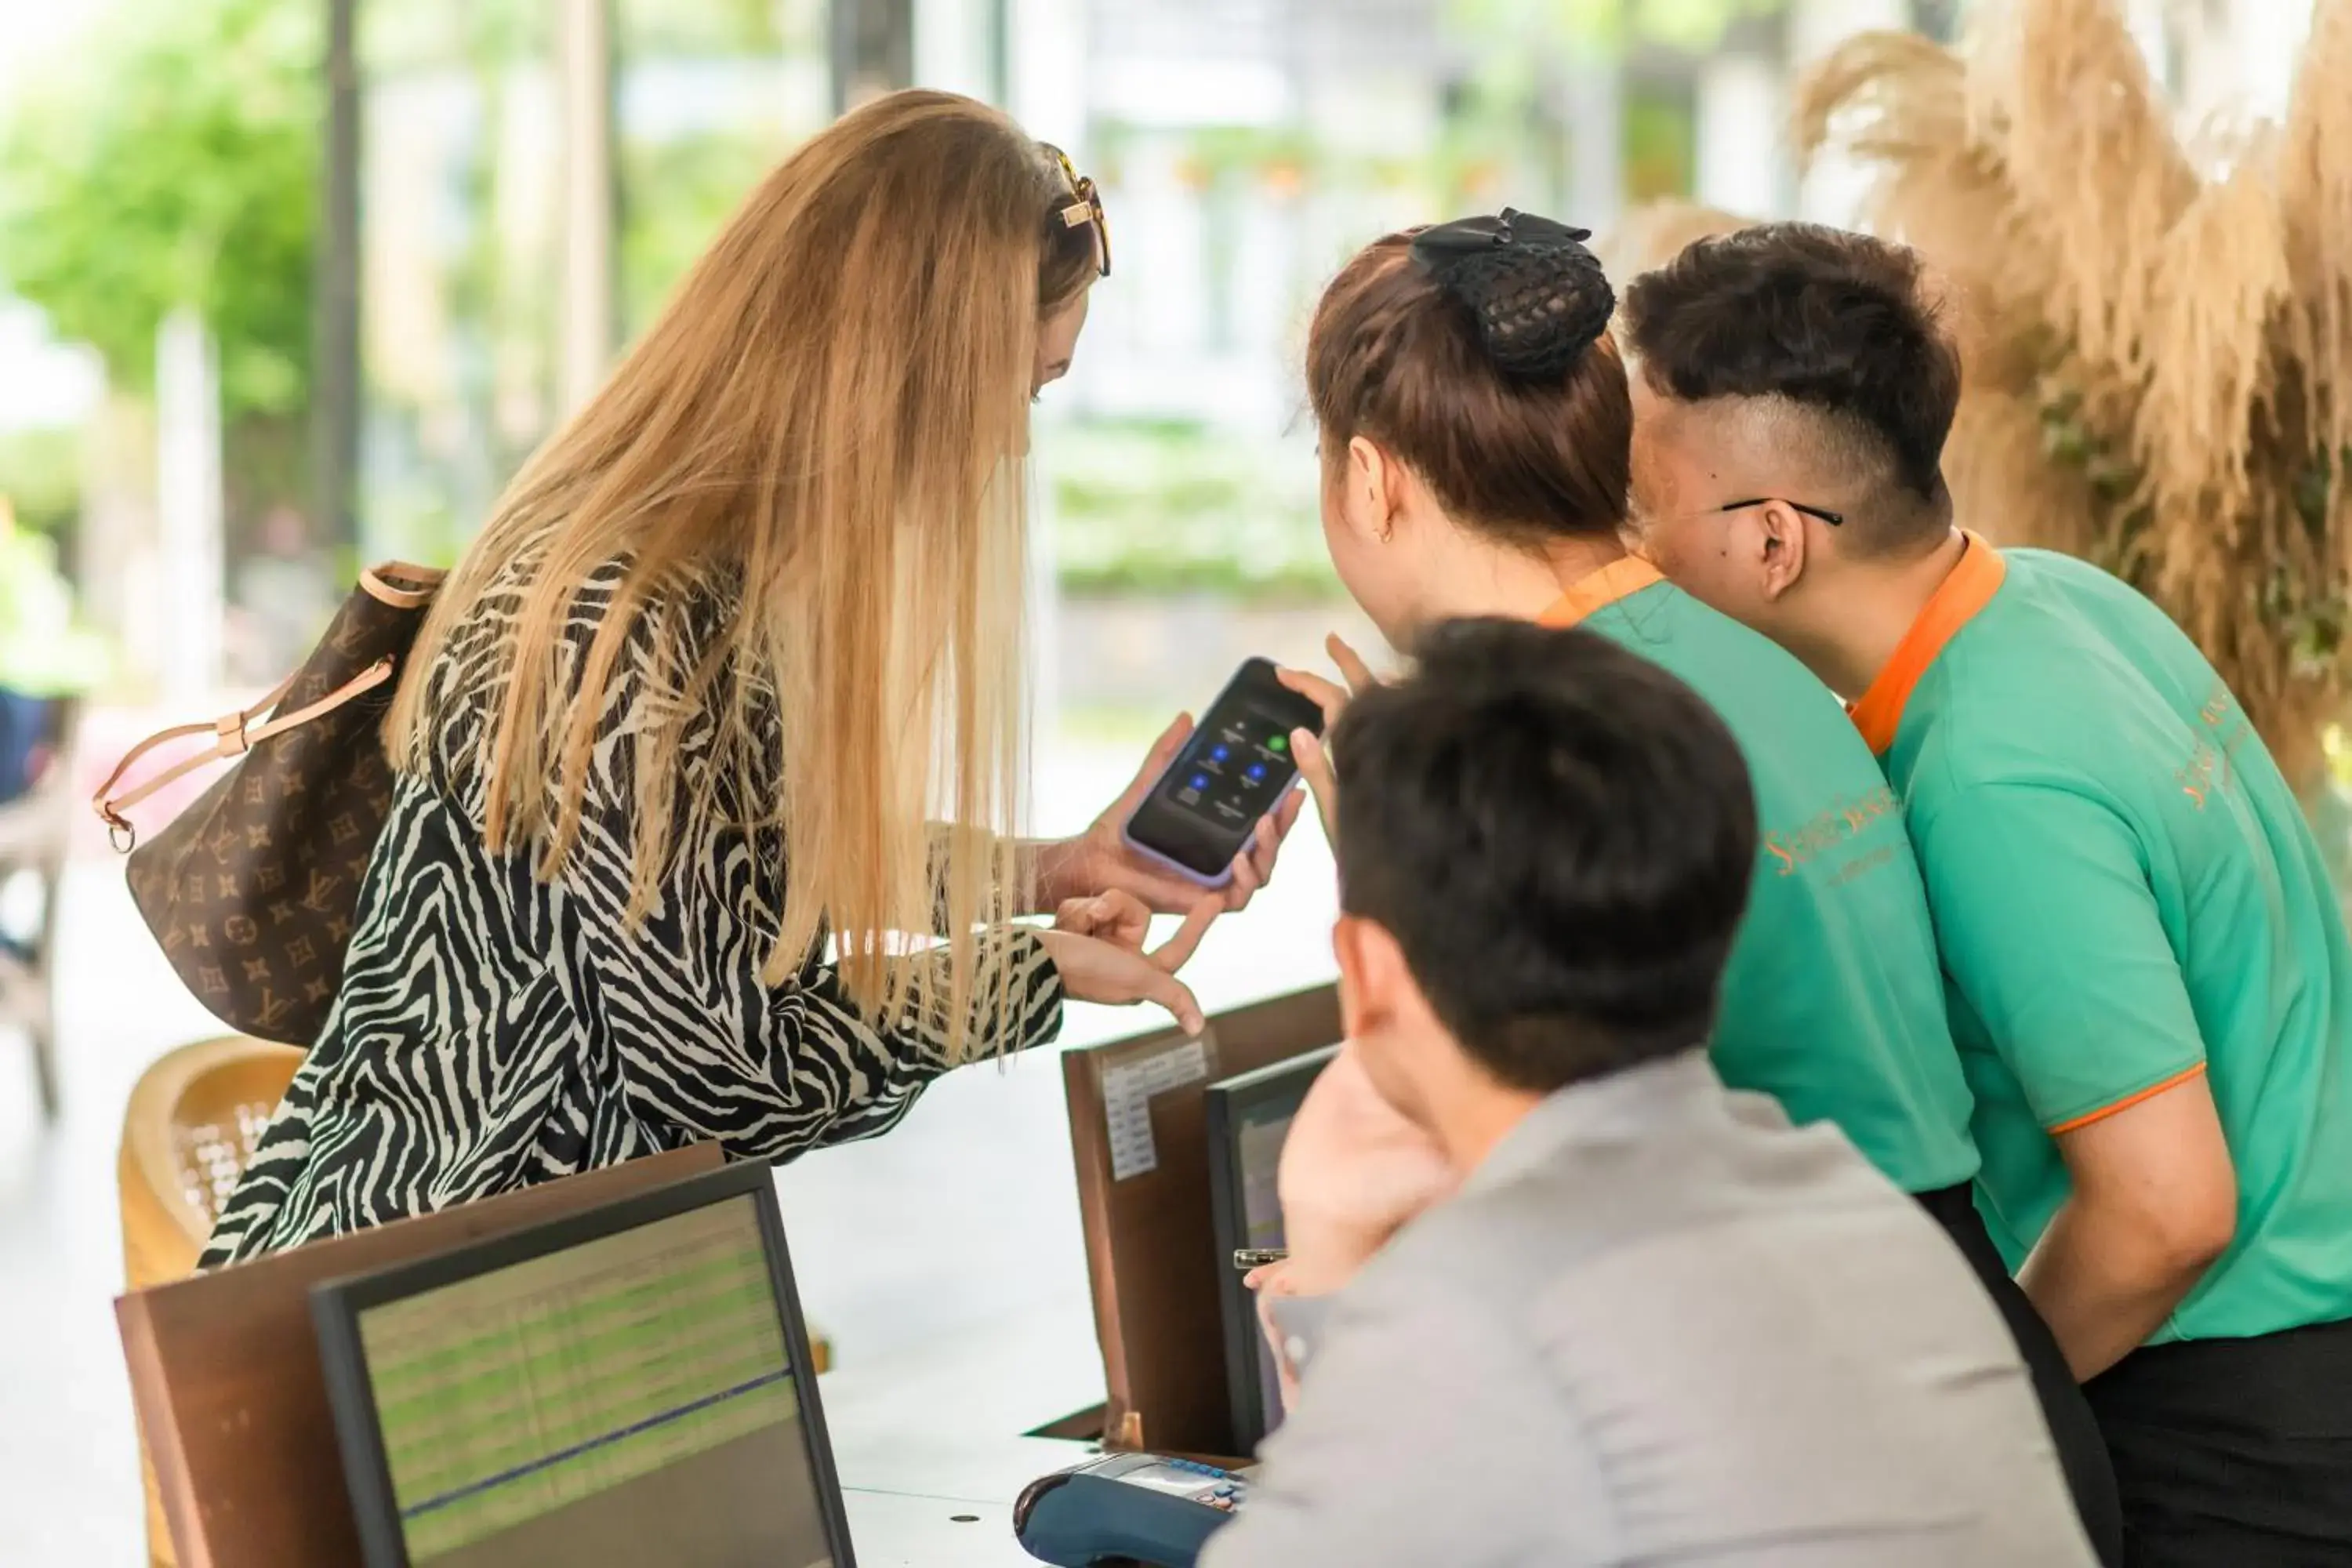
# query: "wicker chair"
[[194, 1119]]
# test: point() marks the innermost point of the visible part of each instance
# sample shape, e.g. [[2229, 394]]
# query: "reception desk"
[[933, 1442]]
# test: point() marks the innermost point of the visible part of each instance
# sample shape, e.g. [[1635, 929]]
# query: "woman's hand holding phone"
[[1097, 944], [1101, 861]]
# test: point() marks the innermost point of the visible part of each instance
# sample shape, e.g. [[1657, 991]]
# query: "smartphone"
[[1234, 769]]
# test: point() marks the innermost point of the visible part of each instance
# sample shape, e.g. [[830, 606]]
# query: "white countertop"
[[930, 1446], [888, 1531]]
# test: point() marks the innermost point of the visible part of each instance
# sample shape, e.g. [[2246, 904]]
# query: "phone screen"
[[1232, 770]]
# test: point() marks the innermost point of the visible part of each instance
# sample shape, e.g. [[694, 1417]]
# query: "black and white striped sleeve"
[[706, 1048]]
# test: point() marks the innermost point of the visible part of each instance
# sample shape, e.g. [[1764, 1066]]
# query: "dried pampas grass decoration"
[[2158, 344]]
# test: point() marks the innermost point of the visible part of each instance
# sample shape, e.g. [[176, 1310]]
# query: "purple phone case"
[[1223, 878]]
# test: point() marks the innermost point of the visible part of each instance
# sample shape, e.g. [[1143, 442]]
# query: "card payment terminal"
[[1139, 1508]]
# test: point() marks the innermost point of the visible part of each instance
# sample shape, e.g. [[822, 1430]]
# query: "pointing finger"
[[1176, 996], [1351, 664]]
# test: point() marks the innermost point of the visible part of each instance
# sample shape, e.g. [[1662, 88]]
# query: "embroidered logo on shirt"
[[1843, 822], [2210, 767]]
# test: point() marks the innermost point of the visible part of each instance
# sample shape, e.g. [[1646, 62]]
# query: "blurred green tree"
[[173, 161], [681, 176], [1513, 46], [1521, 30]]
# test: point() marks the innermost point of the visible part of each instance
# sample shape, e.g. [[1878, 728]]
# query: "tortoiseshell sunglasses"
[[1088, 208]]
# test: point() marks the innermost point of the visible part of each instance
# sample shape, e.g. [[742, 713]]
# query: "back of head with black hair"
[[1559, 836], [1835, 322]]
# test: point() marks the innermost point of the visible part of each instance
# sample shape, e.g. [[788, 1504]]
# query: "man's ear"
[[1783, 538], [1375, 986]]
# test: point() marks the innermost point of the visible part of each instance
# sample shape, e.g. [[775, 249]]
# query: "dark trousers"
[[2083, 1452], [2234, 1453]]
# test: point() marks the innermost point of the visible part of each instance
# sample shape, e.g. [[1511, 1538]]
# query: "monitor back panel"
[[1137, 1136]]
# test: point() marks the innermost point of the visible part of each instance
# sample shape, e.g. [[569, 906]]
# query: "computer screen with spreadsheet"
[[617, 1387]]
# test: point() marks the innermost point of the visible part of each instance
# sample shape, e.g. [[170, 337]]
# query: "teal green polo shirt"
[[2127, 896], [1832, 1001]]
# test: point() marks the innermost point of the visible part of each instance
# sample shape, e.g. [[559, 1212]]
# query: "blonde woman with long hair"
[[681, 719]]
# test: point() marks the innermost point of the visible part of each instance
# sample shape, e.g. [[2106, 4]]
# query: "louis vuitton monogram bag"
[[252, 889]]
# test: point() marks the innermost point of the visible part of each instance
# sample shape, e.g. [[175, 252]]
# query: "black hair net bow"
[[1539, 298]]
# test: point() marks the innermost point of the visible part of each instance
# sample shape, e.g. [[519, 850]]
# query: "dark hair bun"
[[1539, 297]]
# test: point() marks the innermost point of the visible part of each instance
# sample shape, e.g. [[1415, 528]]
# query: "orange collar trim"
[[1975, 578], [1621, 579]]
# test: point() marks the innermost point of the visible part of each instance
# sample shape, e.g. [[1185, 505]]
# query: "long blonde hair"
[[822, 434]]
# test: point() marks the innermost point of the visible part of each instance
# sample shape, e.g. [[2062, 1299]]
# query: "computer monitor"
[[629, 1384], [1248, 1119]]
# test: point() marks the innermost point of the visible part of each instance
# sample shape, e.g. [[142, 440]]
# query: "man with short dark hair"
[[1657, 1325], [2147, 972]]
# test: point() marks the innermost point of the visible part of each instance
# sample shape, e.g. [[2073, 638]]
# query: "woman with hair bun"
[[1475, 430]]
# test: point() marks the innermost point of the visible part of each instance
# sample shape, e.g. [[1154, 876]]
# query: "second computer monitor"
[[1248, 1119], [625, 1385]]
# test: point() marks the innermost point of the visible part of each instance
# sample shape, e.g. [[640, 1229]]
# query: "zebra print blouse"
[[494, 1030]]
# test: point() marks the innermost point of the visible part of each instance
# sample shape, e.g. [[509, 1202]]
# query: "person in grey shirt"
[[1639, 1317]]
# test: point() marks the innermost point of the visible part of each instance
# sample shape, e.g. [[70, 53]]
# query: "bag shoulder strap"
[[398, 584], [234, 734]]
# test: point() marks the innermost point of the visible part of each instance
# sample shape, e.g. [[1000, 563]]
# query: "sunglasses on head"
[[1088, 208]]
